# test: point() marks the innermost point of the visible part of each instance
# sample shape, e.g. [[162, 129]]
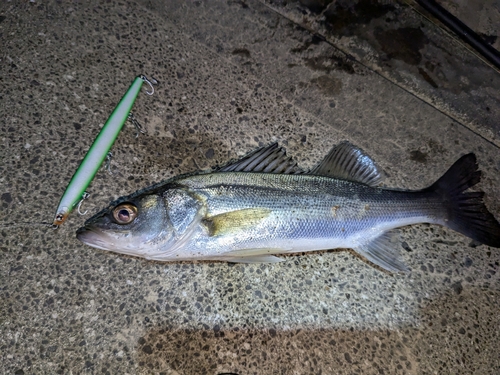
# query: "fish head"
[[135, 226]]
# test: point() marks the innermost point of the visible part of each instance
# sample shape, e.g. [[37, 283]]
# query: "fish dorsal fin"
[[348, 162], [268, 159]]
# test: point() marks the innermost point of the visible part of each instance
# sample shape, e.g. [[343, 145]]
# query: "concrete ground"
[[235, 75]]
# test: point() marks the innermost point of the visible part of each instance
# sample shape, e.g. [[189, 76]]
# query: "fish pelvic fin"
[[465, 211], [382, 252]]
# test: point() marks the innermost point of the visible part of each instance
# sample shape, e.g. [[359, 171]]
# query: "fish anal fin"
[[382, 252], [230, 222], [348, 162]]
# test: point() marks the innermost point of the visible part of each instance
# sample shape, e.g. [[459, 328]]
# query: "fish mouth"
[[92, 238]]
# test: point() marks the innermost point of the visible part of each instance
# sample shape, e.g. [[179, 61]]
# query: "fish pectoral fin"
[[348, 162], [259, 255], [230, 222], [382, 252]]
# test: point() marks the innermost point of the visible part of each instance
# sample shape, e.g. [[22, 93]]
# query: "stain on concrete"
[[427, 77], [344, 17], [418, 156], [402, 44], [329, 86]]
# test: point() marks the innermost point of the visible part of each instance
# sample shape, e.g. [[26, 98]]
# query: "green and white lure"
[[75, 192]]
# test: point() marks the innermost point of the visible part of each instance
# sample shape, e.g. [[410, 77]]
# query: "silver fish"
[[264, 204]]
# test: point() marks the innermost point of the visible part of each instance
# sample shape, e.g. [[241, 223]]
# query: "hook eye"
[[124, 213]]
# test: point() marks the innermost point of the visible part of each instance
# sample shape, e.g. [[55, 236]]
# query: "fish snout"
[[92, 238]]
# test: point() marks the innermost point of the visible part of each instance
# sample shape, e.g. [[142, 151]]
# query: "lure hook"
[[137, 124], [109, 156], [84, 196], [150, 83]]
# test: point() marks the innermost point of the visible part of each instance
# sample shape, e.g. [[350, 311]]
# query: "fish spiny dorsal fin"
[[268, 159], [348, 162]]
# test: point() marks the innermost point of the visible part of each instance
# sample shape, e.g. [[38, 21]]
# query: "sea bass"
[[264, 204]]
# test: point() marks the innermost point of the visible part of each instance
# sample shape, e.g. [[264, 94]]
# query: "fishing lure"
[[75, 192]]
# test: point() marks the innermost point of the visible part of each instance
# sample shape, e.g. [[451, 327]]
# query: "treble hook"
[[109, 156], [137, 124], [150, 83], [84, 196]]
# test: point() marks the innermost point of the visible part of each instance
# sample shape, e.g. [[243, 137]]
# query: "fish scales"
[[304, 206]]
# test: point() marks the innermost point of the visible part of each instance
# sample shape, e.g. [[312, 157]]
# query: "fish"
[[264, 205]]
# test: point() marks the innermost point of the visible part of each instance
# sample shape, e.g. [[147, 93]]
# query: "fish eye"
[[125, 213]]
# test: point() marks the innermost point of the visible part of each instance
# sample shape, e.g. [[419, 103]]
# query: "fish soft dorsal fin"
[[348, 162], [268, 159]]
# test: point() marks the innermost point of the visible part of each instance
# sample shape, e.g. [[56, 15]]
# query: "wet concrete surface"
[[235, 75], [412, 50]]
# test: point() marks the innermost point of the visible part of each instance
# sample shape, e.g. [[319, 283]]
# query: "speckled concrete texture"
[[233, 75]]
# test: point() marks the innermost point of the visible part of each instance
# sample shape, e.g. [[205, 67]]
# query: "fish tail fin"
[[465, 211]]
